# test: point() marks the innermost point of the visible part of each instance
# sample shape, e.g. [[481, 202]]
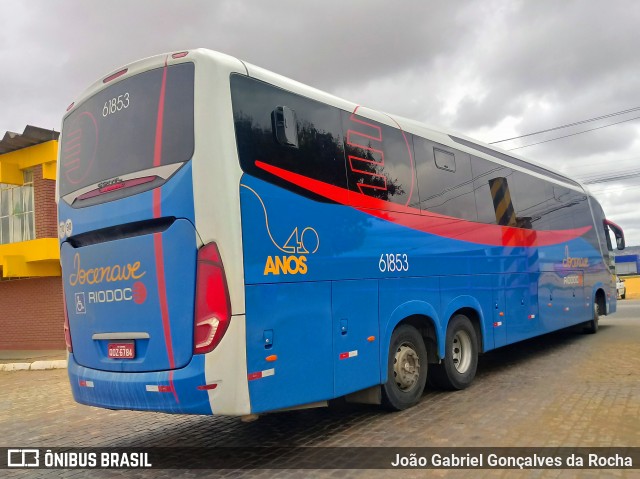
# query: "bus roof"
[[440, 135]]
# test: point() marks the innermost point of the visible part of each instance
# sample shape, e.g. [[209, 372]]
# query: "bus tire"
[[591, 327], [458, 368], [406, 369]]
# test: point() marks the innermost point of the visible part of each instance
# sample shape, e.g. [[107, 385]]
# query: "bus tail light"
[[213, 308], [67, 331]]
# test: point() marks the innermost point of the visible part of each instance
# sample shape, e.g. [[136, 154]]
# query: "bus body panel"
[[356, 335], [208, 384], [508, 302], [112, 285], [401, 298], [132, 286], [320, 267], [216, 192], [175, 200], [503, 290], [211, 182], [522, 304], [175, 391], [293, 323], [226, 366], [216, 174]]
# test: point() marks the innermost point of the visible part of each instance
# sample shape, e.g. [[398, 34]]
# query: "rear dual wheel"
[[458, 368]]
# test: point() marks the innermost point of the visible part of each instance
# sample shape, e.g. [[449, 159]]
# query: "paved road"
[[564, 389]]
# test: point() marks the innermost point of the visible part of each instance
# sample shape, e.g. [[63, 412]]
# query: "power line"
[[614, 177], [606, 174], [600, 175], [608, 115], [573, 134]]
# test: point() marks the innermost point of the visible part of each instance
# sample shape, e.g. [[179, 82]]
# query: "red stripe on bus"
[[162, 295], [157, 237], [426, 221]]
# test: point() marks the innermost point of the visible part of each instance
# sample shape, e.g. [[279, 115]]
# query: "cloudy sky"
[[491, 69]]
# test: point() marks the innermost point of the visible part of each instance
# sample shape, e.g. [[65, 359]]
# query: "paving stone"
[[563, 389]]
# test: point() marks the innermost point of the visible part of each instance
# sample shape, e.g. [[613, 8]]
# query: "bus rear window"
[[115, 132]]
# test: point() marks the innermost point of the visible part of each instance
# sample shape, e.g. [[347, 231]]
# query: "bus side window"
[[379, 160], [445, 160], [485, 173], [561, 215], [532, 199], [444, 180], [286, 130]]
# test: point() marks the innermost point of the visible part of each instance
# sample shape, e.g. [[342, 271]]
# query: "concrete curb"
[[34, 366]]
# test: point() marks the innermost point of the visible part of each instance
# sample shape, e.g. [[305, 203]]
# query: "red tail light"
[[213, 308], [67, 332]]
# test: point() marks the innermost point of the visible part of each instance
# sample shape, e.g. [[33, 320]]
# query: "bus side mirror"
[[617, 232], [285, 126]]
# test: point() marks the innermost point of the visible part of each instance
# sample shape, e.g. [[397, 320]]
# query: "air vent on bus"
[[128, 230]]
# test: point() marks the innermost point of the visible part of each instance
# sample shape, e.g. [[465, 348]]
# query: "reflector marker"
[[271, 358], [261, 374], [371, 339], [350, 354], [206, 387], [159, 388], [86, 384]]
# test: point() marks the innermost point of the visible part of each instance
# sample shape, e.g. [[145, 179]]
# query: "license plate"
[[122, 350]]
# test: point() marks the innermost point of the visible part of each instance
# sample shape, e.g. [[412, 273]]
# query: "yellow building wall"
[[38, 257], [632, 284]]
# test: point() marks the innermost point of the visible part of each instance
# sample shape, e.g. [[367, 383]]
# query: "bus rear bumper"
[[180, 391]]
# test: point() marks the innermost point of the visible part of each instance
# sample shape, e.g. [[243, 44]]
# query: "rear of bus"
[[150, 257]]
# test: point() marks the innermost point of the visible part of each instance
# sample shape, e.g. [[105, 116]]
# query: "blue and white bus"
[[234, 242]]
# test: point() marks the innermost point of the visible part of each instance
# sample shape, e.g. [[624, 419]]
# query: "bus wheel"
[[458, 368], [406, 370], [591, 327]]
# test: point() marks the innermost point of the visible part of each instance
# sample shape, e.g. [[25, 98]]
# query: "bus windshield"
[[138, 123]]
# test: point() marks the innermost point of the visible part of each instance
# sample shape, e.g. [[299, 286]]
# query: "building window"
[[17, 221]]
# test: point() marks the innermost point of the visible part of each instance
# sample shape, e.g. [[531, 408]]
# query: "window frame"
[[15, 194]]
